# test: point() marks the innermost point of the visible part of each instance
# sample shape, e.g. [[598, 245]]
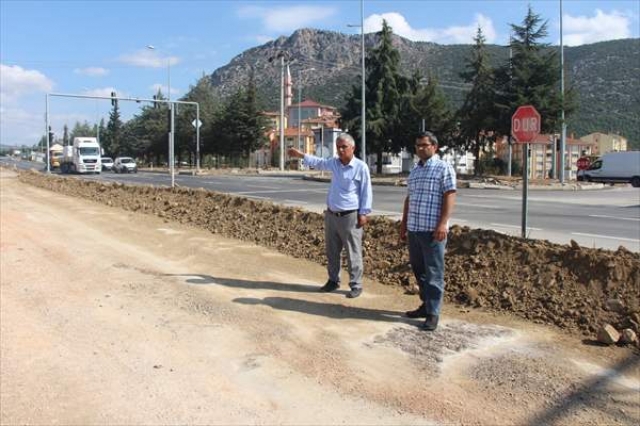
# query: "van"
[[613, 167]]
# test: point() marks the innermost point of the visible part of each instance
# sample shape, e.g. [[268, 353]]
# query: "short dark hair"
[[432, 138]]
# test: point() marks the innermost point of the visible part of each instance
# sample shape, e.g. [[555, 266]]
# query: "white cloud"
[[450, 35], [16, 81], [20, 127], [148, 58], [286, 19], [92, 71], [105, 91], [580, 30]]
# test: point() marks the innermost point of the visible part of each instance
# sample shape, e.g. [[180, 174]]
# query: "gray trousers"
[[342, 232]]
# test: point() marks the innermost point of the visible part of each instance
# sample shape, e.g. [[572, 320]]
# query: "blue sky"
[[95, 47]]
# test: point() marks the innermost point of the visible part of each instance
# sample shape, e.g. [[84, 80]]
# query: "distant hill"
[[605, 74]]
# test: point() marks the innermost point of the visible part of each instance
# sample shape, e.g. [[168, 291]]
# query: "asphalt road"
[[606, 218]]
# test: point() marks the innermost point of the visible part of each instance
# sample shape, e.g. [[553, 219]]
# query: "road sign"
[[525, 124], [196, 123], [583, 163]]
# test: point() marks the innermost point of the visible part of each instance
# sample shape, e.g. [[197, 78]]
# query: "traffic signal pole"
[[113, 99], [47, 129]]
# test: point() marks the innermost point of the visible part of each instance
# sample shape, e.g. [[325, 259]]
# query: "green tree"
[[240, 127], [148, 132], [113, 140], [203, 94], [477, 115], [81, 130], [254, 129], [431, 106], [385, 88], [532, 77]]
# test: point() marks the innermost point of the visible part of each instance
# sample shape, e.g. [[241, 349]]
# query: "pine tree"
[[431, 106], [383, 95], [532, 77], [254, 137], [478, 112], [113, 140]]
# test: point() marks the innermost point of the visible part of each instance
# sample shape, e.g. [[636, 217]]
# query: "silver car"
[[107, 163], [125, 165]]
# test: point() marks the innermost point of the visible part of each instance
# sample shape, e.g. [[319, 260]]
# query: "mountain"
[[326, 64]]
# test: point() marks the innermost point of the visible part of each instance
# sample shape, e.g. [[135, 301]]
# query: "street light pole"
[[299, 102], [281, 112], [171, 120], [563, 136], [363, 130], [363, 111]]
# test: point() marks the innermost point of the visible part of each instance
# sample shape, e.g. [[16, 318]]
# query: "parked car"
[[125, 165], [107, 163]]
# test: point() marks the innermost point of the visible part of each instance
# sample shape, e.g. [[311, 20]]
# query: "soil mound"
[[572, 287]]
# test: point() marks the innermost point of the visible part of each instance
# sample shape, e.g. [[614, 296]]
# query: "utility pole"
[[563, 140], [363, 111], [283, 55], [281, 112]]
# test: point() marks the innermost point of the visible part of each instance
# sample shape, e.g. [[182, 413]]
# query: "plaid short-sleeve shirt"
[[426, 187]]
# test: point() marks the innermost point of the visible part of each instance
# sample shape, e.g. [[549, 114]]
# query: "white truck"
[[612, 167], [84, 156]]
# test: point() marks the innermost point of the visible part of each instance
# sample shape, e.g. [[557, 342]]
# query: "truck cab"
[[84, 156]]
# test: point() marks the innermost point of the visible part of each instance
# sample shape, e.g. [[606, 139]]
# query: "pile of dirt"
[[572, 287]]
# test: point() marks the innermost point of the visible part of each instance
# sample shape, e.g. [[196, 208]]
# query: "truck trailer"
[[81, 157]]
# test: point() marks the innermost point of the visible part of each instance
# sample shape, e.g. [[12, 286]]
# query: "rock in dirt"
[[608, 335]]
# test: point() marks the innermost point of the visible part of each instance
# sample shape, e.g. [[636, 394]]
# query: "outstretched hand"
[[292, 152]]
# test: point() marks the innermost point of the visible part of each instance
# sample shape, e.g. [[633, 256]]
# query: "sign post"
[[197, 124], [525, 126]]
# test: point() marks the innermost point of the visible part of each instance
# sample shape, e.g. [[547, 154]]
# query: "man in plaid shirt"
[[428, 206]]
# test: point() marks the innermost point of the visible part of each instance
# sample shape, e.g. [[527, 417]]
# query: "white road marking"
[[515, 226], [484, 206], [632, 240], [637, 219], [276, 191]]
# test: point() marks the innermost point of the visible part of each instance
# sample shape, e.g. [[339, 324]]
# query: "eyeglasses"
[[343, 146], [423, 145]]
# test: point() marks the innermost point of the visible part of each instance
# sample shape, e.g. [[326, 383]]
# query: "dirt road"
[[113, 317]]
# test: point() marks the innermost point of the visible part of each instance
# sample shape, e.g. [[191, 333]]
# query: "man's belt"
[[340, 214]]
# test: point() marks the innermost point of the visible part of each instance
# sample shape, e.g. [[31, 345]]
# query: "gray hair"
[[346, 137]]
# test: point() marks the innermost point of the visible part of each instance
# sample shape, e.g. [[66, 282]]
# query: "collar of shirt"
[[424, 163]]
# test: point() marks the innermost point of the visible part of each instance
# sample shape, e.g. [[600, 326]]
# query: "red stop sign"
[[583, 163], [525, 123]]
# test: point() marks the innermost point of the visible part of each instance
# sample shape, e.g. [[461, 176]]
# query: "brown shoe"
[[421, 312]]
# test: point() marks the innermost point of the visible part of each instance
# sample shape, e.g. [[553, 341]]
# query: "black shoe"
[[329, 287], [354, 292], [421, 312], [431, 323]]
